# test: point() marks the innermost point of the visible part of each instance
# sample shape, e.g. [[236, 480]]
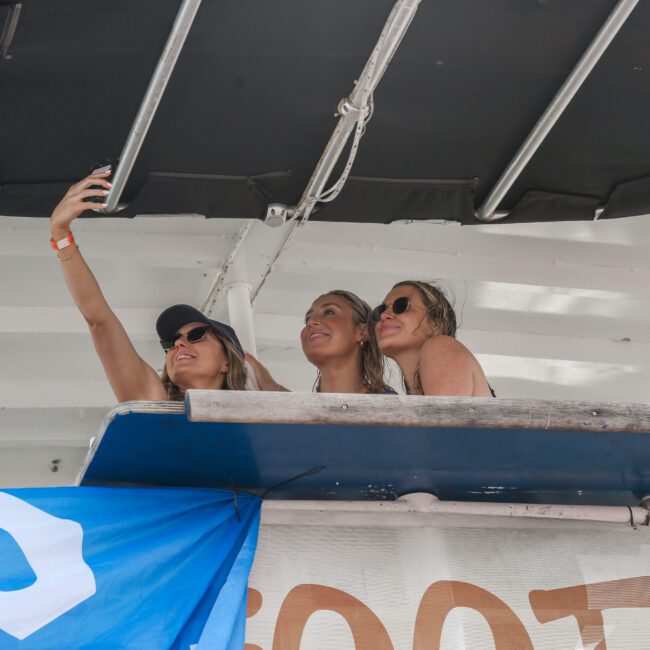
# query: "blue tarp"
[[125, 567]]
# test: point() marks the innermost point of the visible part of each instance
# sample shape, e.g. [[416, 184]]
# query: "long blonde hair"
[[441, 317], [235, 376], [372, 360]]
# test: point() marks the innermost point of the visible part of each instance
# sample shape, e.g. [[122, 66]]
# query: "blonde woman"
[[199, 352], [338, 339], [416, 326]]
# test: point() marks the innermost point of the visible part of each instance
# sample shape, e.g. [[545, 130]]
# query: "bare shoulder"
[[438, 347], [447, 367]]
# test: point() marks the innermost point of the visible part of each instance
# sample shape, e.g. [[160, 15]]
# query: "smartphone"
[[110, 164]]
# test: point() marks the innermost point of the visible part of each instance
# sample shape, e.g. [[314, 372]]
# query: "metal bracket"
[[347, 108], [276, 214]]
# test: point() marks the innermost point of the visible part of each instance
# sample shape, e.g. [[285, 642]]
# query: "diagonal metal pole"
[[9, 30], [354, 108], [555, 109], [157, 84]]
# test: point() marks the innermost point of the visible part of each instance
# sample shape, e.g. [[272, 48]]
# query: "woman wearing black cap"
[[200, 353]]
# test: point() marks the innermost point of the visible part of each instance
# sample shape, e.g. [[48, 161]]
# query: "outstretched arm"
[[130, 377]]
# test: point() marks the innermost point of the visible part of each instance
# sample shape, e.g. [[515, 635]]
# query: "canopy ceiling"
[[256, 88]]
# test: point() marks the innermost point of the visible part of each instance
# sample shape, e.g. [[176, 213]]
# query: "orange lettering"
[[253, 605], [304, 600], [441, 597], [587, 602]]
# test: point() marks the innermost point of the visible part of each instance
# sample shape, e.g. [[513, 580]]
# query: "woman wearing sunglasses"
[[416, 326], [199, 352], [338, 340]]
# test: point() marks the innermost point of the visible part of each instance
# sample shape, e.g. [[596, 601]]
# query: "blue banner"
[[107, 568]]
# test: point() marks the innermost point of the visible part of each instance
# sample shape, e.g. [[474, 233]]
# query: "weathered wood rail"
[[415, 411]]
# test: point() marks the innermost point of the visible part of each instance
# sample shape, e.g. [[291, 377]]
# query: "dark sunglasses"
[[399, 306], [193, 336]]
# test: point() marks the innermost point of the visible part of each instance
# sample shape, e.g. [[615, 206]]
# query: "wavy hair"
[[372, 360], [235, 376], [440, 314], [440, 310]]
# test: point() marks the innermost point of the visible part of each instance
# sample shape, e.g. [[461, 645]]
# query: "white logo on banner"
[[52, 546]]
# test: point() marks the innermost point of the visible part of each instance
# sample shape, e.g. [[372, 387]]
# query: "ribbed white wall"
[[559, 311]]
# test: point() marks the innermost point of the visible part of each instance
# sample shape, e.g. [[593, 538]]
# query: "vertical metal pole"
[[240, 314], [157, 85], [561, 100]]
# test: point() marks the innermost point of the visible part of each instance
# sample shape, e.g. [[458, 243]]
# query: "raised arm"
[[130, 377]]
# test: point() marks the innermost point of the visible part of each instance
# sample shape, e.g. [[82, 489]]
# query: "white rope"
[[363, 119]]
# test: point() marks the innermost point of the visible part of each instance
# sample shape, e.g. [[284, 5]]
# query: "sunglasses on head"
[[193, 336], [399, 306]]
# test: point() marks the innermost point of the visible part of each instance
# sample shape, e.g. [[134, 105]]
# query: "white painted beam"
[[343, 260], [52, 393], [617, 242], [32, 467], [125, 284], [70, 426], [280, 330], [62, 320], [607, 320], [177, 251], [154, 223]]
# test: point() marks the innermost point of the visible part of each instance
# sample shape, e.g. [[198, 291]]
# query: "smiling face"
[[406, 331], [203, 364], [330, 331]]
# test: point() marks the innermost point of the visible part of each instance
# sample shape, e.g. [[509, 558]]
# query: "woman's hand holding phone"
[[75, 202]]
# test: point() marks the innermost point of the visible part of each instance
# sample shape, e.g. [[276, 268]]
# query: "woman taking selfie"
[[199, 352], [338, 340], [416, 326]]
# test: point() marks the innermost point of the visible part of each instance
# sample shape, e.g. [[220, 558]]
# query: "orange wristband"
[[62, 243]]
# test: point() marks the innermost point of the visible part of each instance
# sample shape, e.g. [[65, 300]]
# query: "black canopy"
[[251, 102]]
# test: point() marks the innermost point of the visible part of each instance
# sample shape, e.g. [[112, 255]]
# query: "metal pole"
[[360, 513], [240, 314], [561, 100], [208, 304], [157, 85], [352, 109], [9, 30]]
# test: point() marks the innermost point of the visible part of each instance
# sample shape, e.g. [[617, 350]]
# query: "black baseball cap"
[[174, 317]]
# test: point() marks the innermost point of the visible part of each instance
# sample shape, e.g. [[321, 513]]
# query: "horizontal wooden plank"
[[415, 411]]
